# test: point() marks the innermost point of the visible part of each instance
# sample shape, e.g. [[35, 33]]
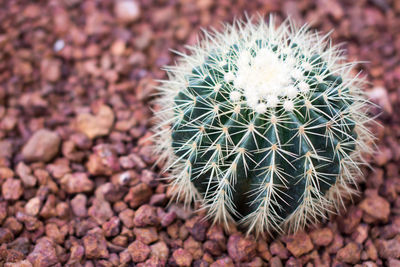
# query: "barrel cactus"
[[264, 125]]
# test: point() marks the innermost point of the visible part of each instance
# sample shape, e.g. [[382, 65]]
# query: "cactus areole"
[[264, 125]]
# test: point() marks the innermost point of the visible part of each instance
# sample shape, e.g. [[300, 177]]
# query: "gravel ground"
[[77, 187]]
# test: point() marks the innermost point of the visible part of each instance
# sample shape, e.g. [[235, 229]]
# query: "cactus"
[[265, 126]]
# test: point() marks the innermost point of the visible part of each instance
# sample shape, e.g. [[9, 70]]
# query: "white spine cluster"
[[272, 77]]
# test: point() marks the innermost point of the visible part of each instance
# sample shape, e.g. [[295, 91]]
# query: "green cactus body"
[[266, 150]]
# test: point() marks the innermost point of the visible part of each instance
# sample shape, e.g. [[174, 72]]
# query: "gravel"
[[79, 183]]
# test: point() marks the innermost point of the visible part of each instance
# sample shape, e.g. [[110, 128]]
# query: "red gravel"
[[76, 183]]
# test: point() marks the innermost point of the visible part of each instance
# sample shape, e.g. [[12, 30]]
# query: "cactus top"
[[264, 125]]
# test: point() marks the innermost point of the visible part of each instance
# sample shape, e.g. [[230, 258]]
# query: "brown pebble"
[[43, 254], [12, 189], [96, 125], [138, 195], [77, 182], [95, 245], [146, 216], [224, 262], [182, 257], [126, 217], [111, 227], [127, 10], [377, 209], [322, 237], [388, 248], [193, 247], [298, 244], [351, 253], [32, 207], [138, 251], [78, 205], [241, 248], [5, 235], [160, 251], [42, 146], [24, 172], [100, 211], [147, 235]]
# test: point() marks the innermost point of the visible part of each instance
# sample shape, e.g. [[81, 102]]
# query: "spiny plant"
[[265, 125]]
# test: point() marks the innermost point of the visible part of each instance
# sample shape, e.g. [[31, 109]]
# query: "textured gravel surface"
[[76, 183]]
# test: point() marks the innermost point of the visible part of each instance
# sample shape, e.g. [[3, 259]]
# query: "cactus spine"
[[264, 125]]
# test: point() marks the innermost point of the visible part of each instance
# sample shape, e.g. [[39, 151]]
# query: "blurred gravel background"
[[76, 184]]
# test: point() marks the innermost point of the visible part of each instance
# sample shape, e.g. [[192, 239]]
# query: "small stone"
[[371, 250], [388, 248], [263, 251], [126, 217], [6, 149], [78, 205], [77, 182], [32, 207], [182, 257], [149, 178], [24, 172], [21, 244], [138, 195], [77, 253], [111, 227], [109, 192], [96, 125], [95, 245], [277, 248], [351, 253], [3, 211], [298, 244], [5, 235], [51, 69], [145, 216], [42, 146], [127, 10], [241, 248], [158, 199], [349, 221], [293, 262], [23, 263], [138, 251], [44, 253], [393, 263], [146, 235], [360, 234], [380, 96], [197, 227], [160, 251], [193, 247], [103, 161], [6, 173], [12, 189], [276, 262], [377, 209], [118, 48], [54, 232], [124, 257], [322, 237], [100, 211], [212, 247], [224, 262], [168, 218]]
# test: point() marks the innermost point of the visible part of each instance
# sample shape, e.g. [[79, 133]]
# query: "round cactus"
[[264, 125]]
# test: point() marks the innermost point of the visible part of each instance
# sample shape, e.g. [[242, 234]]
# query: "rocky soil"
[[76, 183]]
